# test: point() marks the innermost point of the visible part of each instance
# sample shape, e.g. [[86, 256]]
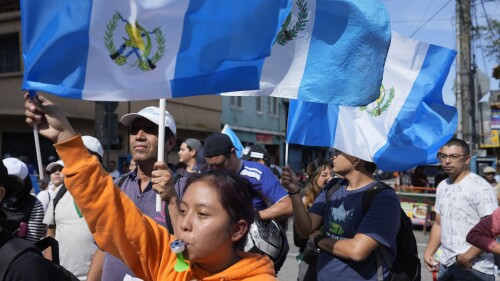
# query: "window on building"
[[235, 102], [9, 53], [258, 104], [273, 106], [9, 6]]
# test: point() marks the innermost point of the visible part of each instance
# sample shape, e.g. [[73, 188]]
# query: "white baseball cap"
[[16, 167], [152, 113], [489, 169], [93, 145], [52, 165]]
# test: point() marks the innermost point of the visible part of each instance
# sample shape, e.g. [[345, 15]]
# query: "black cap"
[[217, 144], [255, 152]]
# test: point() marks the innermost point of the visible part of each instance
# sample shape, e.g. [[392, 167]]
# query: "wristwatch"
[[318, 238]]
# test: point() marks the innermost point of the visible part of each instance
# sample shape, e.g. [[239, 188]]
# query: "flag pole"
[[286, 154], [161, 143], [33, 95]]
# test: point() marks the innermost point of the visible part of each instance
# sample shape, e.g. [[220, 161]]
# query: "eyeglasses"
[[134, 130], [453, 157]]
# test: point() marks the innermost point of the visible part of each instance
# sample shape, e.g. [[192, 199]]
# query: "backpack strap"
[[332, 186], [370, 194], [380, 251], [53, 244], [11, 248], [121, 181], [59, 195]]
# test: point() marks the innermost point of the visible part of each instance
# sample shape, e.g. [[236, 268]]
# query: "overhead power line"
[[437, 12], [433, 20], [490, 28]]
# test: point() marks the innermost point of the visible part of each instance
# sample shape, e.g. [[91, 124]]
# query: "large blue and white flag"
[[322, 46], [147, 49], [403, 128], [234, 139]]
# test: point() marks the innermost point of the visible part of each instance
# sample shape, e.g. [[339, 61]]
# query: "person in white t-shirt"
[[67, 224], [461, 201], [44, 198]]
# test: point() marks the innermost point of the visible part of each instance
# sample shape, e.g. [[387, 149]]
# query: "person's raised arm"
[[306, 223], [52, 123], [115, 222]]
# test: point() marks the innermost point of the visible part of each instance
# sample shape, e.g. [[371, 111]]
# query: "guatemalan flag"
[[147, 49], [321, 46], [403, 128], [234, 139]]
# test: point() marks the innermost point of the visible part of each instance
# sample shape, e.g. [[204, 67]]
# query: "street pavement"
[[290, 269]]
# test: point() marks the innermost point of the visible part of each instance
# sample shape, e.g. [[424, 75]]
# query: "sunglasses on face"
[[151, 130]]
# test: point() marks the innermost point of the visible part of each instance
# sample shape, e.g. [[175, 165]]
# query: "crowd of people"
[[230, 213]]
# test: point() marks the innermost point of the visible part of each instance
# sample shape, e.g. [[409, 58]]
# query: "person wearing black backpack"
[[20, 259], [351, 238], [23, 211]]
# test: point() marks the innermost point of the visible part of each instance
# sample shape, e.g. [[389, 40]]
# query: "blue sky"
[[407, 16]]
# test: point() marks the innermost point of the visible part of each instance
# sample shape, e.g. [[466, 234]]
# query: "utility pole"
[[464, 92]]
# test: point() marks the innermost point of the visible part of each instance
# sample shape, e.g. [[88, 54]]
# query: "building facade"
[[257, 120]]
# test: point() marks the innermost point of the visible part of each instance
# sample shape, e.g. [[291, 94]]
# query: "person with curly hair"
[[318, 174]]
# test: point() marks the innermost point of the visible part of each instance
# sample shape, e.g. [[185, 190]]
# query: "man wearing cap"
[[24, 213], [259, 154], [66, 223], [489, 175], [138, 184], [220, 154], [189, 155]]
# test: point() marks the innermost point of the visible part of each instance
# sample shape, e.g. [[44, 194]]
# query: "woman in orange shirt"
[[214, 214]]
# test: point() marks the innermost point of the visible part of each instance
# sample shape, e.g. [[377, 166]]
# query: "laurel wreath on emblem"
[[381, 104], [285, 34], [110, 46]]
